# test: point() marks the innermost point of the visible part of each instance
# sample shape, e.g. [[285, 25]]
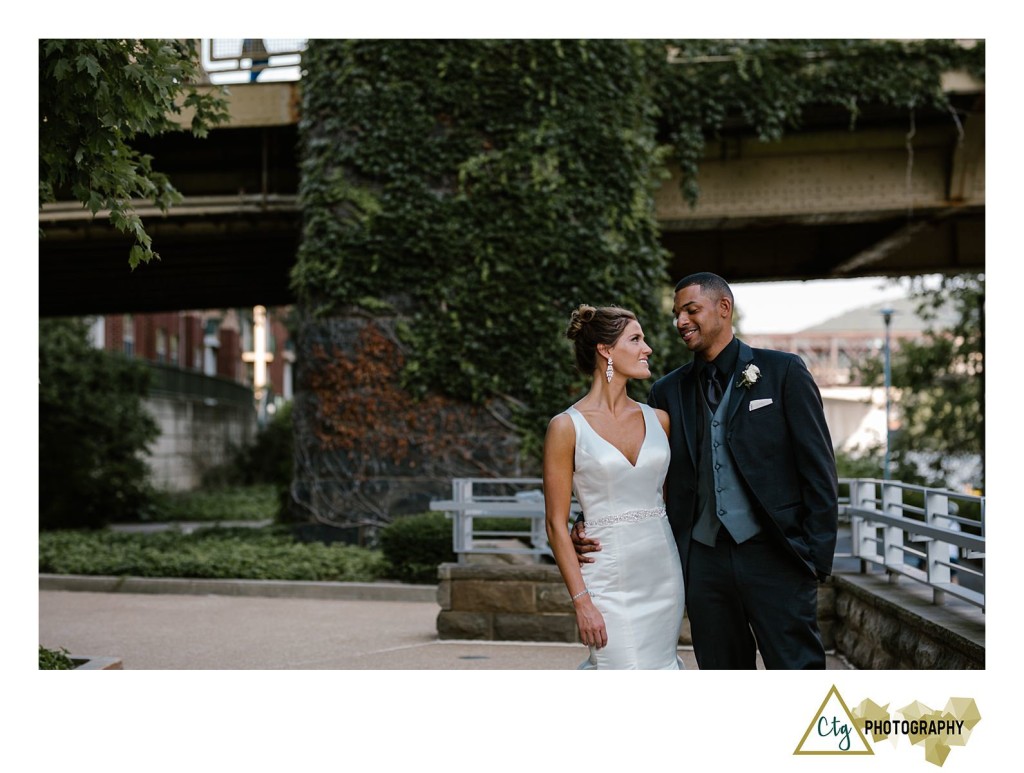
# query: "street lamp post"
[[887, 317]]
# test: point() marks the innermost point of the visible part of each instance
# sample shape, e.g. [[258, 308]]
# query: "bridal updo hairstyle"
[[590, 326]]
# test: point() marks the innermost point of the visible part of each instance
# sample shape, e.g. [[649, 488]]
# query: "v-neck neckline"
[[643, 443]]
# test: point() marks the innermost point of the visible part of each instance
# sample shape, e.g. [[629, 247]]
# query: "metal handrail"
[[934, 544], [938, 542]]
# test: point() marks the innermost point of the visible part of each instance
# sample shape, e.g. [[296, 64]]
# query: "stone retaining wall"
[[195, 435], [873, 624], [882, 626], [530, 603], [504, 603]]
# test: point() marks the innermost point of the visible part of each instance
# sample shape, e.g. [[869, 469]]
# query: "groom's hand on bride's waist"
[[582, 543]]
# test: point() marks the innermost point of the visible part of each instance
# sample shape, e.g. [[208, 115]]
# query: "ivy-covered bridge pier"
[[435, 209]]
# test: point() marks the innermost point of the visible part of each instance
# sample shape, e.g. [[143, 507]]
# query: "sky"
[[788, 307]]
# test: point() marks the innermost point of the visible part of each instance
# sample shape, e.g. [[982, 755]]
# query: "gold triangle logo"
[[833, 730]]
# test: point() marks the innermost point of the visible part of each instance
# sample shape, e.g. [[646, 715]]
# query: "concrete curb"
[[91, 663], [345, 591]]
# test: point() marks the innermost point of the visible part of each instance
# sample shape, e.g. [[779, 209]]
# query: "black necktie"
[[714, 388]]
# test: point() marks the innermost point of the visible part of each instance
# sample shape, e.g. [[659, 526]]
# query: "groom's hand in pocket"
[[582, 543]]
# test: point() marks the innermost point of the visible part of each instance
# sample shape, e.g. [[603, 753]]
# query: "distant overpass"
[[823, 202]]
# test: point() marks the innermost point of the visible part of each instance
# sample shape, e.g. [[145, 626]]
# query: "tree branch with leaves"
[[95, 98]]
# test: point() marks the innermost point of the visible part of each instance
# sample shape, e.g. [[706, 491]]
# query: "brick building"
[[204, 393], [211, 342]]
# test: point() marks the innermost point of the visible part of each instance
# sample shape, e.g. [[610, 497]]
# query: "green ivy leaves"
[[481, 189]]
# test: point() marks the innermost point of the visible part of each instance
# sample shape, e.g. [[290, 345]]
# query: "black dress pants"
[[749, 597]]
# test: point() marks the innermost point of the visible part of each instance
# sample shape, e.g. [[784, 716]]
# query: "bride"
[[613, 453]]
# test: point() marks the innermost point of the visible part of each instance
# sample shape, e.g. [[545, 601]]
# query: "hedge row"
[[412, 547], [217, 553], [233, 503]]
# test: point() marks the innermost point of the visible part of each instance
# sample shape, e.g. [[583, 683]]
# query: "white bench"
[[517, 498]]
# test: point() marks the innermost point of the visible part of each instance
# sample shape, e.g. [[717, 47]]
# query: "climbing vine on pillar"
[[478, 190]]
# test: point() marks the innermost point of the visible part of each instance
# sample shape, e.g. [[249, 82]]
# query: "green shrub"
[[502, 524], [865, 464], [218, 553], [267, 459], [415, 545], [93, 431], [235, 503], [54, 660]]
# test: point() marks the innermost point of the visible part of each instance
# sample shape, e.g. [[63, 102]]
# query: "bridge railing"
[[933, 536]]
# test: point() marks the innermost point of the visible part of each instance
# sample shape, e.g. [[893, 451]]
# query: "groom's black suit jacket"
[[782, 451]]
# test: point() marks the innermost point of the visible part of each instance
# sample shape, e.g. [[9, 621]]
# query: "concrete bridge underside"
[[894, 197]]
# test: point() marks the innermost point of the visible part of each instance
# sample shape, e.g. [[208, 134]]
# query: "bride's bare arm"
[[663, 417], [559, 447], [665, 421]]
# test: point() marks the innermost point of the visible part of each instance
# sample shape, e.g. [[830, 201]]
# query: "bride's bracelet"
[[583, 592]]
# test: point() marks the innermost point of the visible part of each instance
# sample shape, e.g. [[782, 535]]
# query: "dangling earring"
[[609, 371]]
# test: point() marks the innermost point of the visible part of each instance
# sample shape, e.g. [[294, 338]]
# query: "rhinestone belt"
[[630, 516]]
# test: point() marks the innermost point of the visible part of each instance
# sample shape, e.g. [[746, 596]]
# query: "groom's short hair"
[[711, 285]]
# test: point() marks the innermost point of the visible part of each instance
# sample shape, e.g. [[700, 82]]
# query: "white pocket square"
[[755, 404]]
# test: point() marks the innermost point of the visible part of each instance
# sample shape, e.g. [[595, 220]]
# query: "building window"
[[98, 332], [128, 335], [174, 350], [161, 345], [211, 343]]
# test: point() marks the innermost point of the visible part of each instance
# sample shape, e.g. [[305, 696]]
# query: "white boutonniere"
[[749, 377]]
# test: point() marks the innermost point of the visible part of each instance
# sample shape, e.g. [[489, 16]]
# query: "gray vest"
[[721, 498]]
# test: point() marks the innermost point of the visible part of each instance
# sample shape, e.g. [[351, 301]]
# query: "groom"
[[751, 491]]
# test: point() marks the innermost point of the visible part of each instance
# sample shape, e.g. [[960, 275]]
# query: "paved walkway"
[[203, 631]]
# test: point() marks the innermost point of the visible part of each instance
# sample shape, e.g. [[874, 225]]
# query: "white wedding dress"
[[635, 580]]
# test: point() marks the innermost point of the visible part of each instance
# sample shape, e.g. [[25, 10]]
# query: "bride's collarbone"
[[625, 431], [622, 427], [628, 416]]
